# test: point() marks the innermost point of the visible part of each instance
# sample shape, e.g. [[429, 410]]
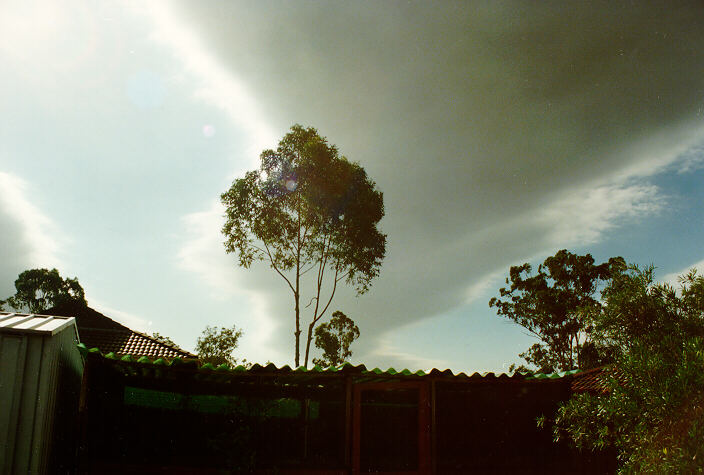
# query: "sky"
[[498, 132]]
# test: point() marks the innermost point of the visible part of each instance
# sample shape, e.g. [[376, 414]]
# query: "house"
[[98, 331]]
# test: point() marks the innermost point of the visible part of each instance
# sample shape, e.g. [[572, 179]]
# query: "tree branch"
[[273, 265], [332, 294]]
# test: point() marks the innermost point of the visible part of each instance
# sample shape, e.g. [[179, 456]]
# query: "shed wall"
[[37, 370]]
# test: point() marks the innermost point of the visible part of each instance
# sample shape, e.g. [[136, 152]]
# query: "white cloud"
[[582, 216], [39, 236], [673, 277], [203, 255], [199, 251], [130, 320], [398, 359], [692, 159], [479, 289], [215, 84]]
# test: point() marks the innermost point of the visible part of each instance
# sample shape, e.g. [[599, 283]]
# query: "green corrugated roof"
[[555, 375], [343, 368]]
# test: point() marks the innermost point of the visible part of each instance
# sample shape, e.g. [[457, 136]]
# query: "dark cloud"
[[472, 117], [13, 253]]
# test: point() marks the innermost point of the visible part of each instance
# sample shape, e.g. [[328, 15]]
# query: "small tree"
[[653, 413], [335, 338], [216, 346], [307, 209], [163, 339], [556, 305], [41, 289]]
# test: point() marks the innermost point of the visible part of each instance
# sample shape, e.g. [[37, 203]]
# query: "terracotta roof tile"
[[96, 330], [128, 342], [595, 381]]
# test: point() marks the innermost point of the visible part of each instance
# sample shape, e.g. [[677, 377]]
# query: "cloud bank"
[[497, 132], [29, 238]]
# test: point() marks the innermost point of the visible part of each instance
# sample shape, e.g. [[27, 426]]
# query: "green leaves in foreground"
[[654, 412]]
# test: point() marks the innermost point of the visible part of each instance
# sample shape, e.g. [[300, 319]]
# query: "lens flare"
[[208, 130]]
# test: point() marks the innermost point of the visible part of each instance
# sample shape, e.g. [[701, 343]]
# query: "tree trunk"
[[298, 286], [310, 337], [297, 333]]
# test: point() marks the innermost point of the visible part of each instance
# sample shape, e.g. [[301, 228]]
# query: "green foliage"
[[41, 289], [654, 412], [163, 339], [335, 338], [307, 209], [556, 305], [215, 346]]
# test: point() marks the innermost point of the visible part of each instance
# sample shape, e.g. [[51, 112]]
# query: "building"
[[98, 331], [132, 406]]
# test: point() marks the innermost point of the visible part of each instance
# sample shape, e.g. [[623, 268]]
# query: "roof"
[[98, 330], [129, 342], [32, 323], [131, 365], [596, 381]]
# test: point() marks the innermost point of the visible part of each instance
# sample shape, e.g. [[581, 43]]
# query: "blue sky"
[[499, 134]]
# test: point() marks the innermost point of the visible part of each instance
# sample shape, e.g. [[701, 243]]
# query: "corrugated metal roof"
[[556, 375], [33, 323], [346, 368]]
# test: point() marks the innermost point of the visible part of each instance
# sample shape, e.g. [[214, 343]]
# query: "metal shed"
[[40, 379]]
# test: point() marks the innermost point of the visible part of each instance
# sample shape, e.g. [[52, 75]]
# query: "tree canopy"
[[163, 339], [653, 413], [556, 305], [312, 216], [334, 338], [216, 345], [41, 289]]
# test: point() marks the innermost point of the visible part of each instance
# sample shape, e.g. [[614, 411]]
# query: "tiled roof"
[[129, 342], [594, 381], [98, 330]]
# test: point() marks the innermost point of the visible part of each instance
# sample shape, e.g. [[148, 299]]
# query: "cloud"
[[673, 277], [582, 216], [202, 254], [395, 358], [132, 321], [691, 160], [29, 238], [199, 253], [496, 132], [215, 84]]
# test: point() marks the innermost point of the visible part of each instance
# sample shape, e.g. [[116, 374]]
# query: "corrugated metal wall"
[[38, 366]]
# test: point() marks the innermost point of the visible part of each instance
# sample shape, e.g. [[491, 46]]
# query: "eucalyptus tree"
[[216, 345], [334, 338], [557, 305], [38, 290], [312, 216]]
